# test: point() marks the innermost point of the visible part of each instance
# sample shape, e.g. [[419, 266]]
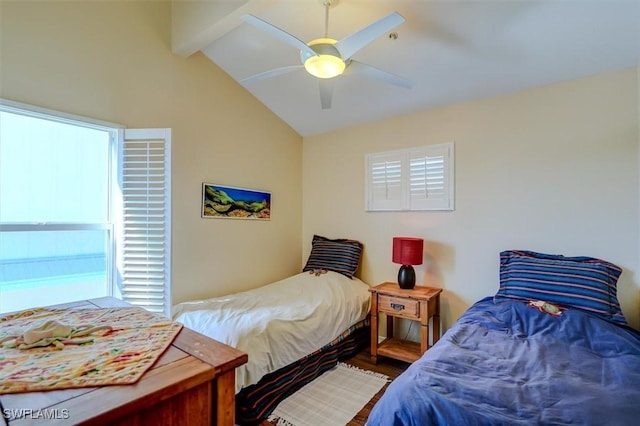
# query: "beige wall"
[[112, 61], [553, 169]]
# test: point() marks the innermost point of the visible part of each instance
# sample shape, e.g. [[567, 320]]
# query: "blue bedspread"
[[508, 363]]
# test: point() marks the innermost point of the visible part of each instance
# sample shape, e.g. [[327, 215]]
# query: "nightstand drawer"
[[408, 308]]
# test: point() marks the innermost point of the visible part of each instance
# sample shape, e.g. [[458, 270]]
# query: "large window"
[[83, 211]]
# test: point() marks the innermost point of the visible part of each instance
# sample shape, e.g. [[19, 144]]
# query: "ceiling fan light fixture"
[[324, 66], [327, 63]]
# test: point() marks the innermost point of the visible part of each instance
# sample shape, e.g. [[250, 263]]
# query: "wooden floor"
[[387, 366]]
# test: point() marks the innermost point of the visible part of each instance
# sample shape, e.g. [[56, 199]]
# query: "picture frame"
[[230, 202]]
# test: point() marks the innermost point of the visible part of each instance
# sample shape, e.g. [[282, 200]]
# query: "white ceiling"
[[451, 51]]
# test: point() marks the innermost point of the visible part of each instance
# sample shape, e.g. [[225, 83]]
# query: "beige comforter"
[[281, 322]]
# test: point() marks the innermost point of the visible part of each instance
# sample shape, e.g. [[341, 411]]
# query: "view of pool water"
[[22, 294]]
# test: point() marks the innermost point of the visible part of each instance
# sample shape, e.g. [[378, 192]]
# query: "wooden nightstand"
[[419, 304]]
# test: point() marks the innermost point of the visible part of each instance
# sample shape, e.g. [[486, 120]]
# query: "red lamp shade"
[[407, 250]]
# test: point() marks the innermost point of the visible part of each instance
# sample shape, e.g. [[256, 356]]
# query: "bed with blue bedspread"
[[517, 358]]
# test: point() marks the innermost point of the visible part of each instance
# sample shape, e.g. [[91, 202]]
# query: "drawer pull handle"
[[397, 306]]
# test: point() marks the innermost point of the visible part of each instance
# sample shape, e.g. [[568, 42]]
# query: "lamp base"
[[406, 277]]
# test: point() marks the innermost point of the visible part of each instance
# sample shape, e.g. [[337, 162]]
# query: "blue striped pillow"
[[581, 282], [342, 255]]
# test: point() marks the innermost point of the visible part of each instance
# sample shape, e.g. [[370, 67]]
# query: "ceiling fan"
[[326, 58]]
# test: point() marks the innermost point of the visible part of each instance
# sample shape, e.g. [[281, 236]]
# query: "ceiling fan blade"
[[277, 33], [377, 74], [349, 45], [271, 73], [326, 92]]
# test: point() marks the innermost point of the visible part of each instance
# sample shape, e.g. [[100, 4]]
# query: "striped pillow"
[[342, 256], [582, 282]]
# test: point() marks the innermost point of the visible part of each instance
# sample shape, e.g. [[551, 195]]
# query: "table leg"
[[424, 327], [436, 321], [374, 329], [225, 401]]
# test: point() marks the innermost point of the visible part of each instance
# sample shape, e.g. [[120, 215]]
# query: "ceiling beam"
[[196, 24]]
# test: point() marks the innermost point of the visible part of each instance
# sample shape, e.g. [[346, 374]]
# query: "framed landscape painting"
[[220, 201]]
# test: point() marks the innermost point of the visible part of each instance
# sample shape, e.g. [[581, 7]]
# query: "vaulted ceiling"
[[450, 51]]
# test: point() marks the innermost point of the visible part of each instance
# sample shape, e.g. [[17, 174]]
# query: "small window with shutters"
[[411, 179]]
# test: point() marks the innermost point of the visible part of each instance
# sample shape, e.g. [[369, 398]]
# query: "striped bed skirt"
[[254, 403]]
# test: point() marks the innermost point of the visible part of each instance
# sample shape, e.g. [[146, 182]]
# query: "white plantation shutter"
[[143, 261], [385, 181], [430, 170], [412, 179]]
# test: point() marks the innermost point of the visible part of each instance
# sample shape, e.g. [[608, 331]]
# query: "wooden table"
[[192, 383], [418, 304]]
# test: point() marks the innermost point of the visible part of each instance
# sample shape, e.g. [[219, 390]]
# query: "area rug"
[[333, 399], [110, 346]]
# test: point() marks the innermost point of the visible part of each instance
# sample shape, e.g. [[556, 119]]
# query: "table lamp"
[[407, 251]]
